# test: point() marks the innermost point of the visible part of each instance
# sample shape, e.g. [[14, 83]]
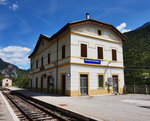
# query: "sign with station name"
[[92, 61]]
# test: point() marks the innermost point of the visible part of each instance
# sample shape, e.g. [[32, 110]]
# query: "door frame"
[[88, 75], [62, 74], [117, 81]]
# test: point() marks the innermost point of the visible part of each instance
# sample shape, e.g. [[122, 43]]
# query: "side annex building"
[[83, 58]]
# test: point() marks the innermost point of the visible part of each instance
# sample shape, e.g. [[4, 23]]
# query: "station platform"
[[6, 112], [128, 107], [69, 103]]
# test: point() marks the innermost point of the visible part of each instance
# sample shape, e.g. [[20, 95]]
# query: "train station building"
[[83, 58]]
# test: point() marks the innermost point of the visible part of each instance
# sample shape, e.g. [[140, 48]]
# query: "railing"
[[139, 89]]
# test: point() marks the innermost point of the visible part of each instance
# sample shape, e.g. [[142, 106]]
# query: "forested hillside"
[[137, 55], [20, 76]]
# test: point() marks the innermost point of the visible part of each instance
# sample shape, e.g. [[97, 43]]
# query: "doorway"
[[84, 84], [41, 84], [115, 84], [36, 84], [50, 84], [6, 84], [63, 84]]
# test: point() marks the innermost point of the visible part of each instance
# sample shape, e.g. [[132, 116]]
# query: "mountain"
[[144, 25], [137, 55], [8, 69], [19, 76]]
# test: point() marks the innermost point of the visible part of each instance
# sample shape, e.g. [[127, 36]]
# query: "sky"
[[22, 21]]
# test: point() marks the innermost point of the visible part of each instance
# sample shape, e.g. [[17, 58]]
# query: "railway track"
[[31, 109]]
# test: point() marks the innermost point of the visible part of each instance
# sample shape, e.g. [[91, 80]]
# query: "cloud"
[[14, 7], [11, 6], [3, 2], [15, 54], [122, 27]]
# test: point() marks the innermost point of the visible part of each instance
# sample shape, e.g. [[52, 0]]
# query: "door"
[[36, 84], [41, 84], [50, 84], [115, 84], [6, 84], [63, 84], [84, 84]]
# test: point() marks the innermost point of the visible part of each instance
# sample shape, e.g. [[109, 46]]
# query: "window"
[[99, 32], [42, 61], [114, 55], [100, 52], [101, 81], [36, 63], [83, 50], [49, 59], [63, 51]]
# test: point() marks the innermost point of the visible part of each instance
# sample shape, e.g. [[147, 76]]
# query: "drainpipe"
[[57, 69]]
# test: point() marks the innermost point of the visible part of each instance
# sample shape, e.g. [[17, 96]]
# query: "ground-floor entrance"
[[6, 84], [41, 84], [36, 84], [115, 84], [63, 84], [83, 84], [50, 84]]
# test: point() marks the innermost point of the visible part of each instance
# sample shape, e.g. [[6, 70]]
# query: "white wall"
[[92, 44], [93, 71], [7, 80]]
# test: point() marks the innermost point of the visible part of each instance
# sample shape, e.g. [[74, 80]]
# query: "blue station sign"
[[92, 61]]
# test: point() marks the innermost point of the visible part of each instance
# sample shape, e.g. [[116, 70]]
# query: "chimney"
[[87, 16]]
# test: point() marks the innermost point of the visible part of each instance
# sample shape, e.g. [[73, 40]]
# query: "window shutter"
[[100, 53], [36, 83], [114, 55], [83, 50], [42, 61], [49, 58], [37, 64], [63, 51]]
